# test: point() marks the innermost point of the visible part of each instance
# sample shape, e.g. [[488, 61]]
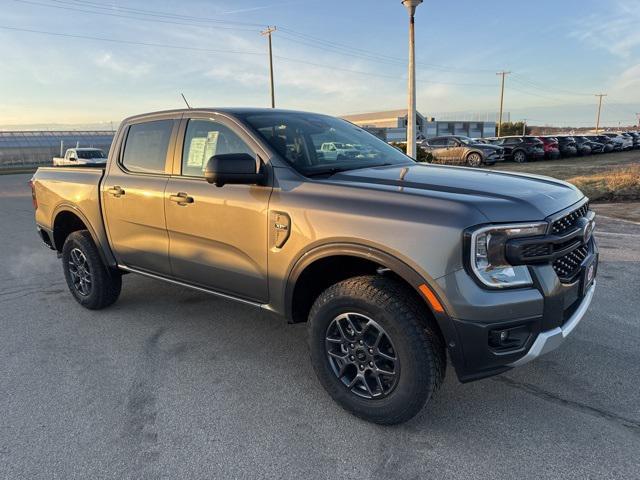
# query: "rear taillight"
[[33, 195]]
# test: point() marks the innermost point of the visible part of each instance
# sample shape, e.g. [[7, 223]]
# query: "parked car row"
[[474, 152], [460, 150]]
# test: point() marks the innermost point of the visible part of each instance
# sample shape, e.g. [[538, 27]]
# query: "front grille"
[[536, 250], [567, 266], [565, 223]]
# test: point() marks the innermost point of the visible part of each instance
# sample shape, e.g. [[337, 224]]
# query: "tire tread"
[[392, 296]]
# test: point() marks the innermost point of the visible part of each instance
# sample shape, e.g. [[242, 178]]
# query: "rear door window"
[[145, 150]]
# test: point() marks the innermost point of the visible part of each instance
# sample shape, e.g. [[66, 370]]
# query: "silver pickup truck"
[[397, 267]]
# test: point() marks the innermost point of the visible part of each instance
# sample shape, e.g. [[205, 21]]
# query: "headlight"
[[488, 261]]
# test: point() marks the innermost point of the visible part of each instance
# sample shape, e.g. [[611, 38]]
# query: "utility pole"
[[638, 115], [267, 33], [599, 95], [411, 6], [524, 127], [503, 74]]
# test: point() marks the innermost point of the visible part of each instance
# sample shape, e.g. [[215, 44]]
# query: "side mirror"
[[234, 168]]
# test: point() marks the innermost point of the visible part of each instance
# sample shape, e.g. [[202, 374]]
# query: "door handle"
[[116, 191], [181, 198]]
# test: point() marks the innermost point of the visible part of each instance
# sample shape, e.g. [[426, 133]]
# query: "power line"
[[524, 81], [221, 26], [234, 52], [322, 44], [293, 36], [151, 13], [128, 42]]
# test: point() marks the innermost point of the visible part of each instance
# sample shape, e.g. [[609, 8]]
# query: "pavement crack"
[[633, 425]]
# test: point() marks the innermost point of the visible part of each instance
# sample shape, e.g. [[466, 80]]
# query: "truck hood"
[[499, 196]]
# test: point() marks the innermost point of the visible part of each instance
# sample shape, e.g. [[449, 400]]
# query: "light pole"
[[411, 6]]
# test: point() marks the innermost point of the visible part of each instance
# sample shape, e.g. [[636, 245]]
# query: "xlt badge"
[[280, 228]]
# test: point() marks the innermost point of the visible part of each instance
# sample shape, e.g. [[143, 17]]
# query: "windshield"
[[466, 140], [316, 144], [90, 154]]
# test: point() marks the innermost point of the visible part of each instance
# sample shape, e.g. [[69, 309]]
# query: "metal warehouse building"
[[32, 148], [391, 126]]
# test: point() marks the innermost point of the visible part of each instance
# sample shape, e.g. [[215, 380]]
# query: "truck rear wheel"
[[92, 284], [372, 350]]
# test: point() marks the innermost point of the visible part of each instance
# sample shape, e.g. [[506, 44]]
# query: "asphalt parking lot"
[[172, 383]]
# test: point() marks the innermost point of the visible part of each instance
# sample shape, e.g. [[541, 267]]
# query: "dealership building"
[[391, 126]]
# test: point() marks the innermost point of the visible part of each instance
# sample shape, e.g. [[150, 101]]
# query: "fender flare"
[[396, 265], [105, 251]]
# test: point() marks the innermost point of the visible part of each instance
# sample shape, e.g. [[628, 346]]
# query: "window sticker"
[[196, 152], [210, 147]]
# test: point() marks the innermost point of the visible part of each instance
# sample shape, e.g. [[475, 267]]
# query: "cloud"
[[628, 78], [107, 61], [615, 30]]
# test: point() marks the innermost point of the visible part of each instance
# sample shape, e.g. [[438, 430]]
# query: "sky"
[[92, 63]]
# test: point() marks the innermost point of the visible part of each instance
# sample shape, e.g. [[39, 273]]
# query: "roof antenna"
[[185, 101]]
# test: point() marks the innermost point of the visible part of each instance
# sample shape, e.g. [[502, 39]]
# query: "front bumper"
[[543, 314], [552, 339]]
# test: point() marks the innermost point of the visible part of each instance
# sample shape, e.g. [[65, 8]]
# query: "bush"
[[423, 155], [512, 128]]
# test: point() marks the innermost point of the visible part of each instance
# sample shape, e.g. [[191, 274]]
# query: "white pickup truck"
[[81, 156], [338, 151]]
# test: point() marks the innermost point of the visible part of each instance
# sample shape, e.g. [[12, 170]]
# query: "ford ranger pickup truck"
[[398, 268]]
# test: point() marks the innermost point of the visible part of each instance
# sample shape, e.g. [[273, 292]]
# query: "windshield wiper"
[[328, 171], [332, 171]]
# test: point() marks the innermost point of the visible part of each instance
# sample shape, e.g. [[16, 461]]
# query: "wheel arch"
[[367, 257], [68, 219], [396, 266], [477, 151]]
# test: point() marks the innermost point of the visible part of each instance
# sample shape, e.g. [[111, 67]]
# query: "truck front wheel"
[[92, 284], [372, 350]]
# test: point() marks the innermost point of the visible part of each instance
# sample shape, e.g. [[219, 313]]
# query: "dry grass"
[[613, 177], [618, 185]]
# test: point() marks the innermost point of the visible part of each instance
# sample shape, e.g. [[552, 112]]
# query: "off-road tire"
[[418, 346], [105, 283]]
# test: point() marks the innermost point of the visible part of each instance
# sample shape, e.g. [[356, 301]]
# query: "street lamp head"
[[411, 5]]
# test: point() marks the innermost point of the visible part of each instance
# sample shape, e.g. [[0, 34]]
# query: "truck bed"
[[75, 189]]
